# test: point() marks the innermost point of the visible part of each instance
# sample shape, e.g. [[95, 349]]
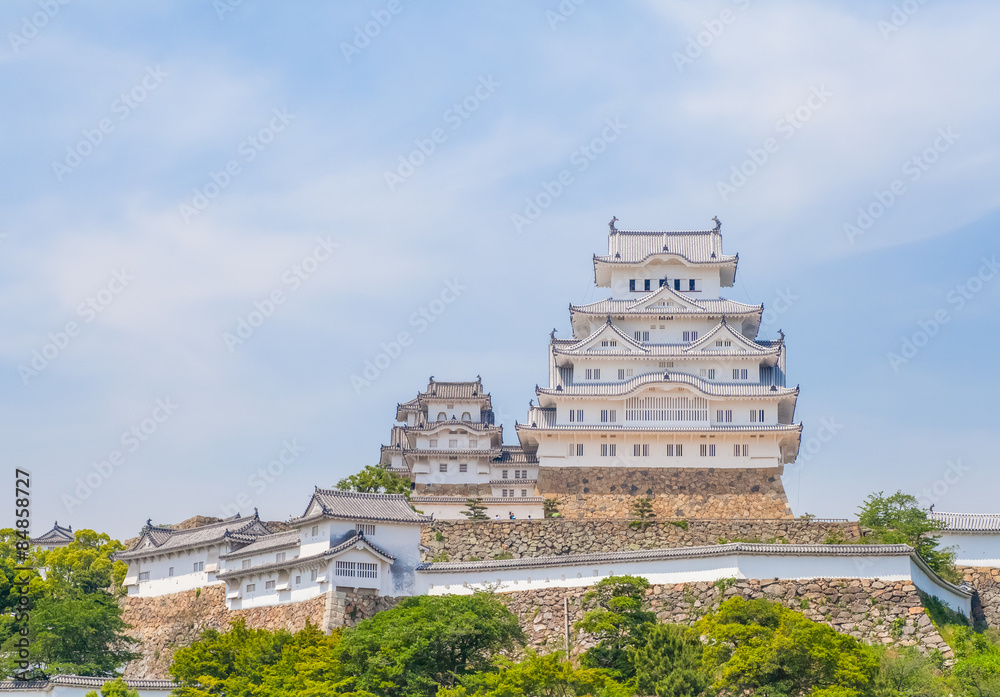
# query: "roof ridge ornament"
[[718, 225], [611, 226]]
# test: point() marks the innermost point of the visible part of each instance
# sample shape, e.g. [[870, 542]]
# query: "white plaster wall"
[[458, 408], [973, 549], [184, 578], [932, 587], [707, 279]]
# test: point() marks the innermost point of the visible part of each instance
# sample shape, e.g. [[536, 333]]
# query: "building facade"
[[664, 390], [975, 537]]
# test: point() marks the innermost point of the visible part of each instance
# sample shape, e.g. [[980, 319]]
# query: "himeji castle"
[[664, 390]]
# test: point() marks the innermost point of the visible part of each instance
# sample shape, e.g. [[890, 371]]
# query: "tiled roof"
[[514, 454], [281, 540], [633, 246], [712, 306], [57, 534], [478, 452], [478, 426], [82, 681], [544, 418], [712, 389], [438, 391], [353, 505], [168, 540], [672, 553], [968, 522]]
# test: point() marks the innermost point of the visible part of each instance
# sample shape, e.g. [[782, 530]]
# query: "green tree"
[[618, 619], [977, 661], [550, 509], [668, 664], [114, 688], [756, 647], [374, 479], [428, 642], [905, 672], [642, 511], [898, 519], [538, 676], [477, 511]]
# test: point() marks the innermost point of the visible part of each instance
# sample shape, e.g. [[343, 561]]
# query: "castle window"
[[246, 563], [739, 373], [621, 373], [708, 450], [608, 449], [666, 364], [642, 336], [365, 528], [609, 415], [576, 415], [442, 467], [298, 580], [442, 416], [740, 450], [269, 585], [143, 575], [724, 416], [504, 474], [677, 284], [524, 474], [434, 442], [631, 284], [279, 557], [314, 575], [663, 282], [314, 531], [473, 442], [756, 416], [675, 450], [451, 406], [464, 467], [466, 416], [690, 336], [517, 474], [453, 443], [690, 284], [251, 587], [576, 449], [640, 450], [646, 284], [199, 566], [170, 572], [524, 492]]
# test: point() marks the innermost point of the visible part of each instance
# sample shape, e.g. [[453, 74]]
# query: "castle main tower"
[[665, 390]]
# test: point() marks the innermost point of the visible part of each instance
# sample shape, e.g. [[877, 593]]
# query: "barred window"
[[608, 449], [365, 528], [640, 450], [741, 450]]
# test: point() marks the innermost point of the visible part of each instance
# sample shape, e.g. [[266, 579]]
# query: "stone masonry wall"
[[874, 611], [610, 492], [165, 623], [464, 540], [986, 602]]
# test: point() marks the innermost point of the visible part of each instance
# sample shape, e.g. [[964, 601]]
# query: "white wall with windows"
[[172, 572]]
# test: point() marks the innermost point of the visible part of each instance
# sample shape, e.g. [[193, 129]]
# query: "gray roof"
[[82, 681], [711, 306], [161, 540], [672, 553], [352, 505], [710, 388], [438, 391], [634, 246], [515, 455], [265, 543], [485, 499], [968, 522], [57, 534]]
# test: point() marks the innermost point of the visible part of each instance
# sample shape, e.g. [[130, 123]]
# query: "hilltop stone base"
[[986, 601], [610, 492], [873, 611]]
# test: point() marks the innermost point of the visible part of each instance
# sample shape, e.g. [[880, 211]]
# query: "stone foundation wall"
[[464, 540], [874, 611], [610, 492], [986, 602], [165, 623]]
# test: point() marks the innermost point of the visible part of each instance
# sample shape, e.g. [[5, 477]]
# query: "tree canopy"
[[898, 519], [618, 620], [374, 479]]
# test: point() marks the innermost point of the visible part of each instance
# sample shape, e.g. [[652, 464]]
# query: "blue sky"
[[377, 155]]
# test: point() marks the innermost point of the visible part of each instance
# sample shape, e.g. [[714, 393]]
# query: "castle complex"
[[664, 391]]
